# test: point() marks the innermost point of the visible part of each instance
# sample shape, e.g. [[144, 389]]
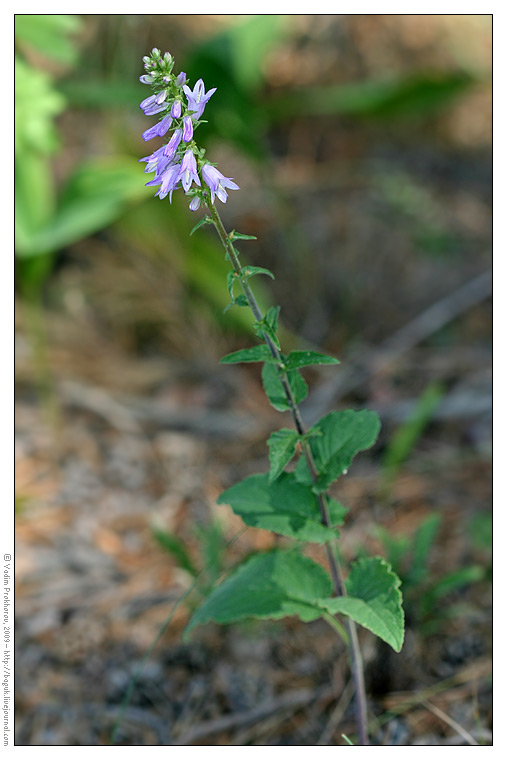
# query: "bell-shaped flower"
[[167, 181], [197, 98], [157, 162], [172, 146], [176, 109], [188, 171], [154, 104], [188, 129], [217, 182], [159, 129]]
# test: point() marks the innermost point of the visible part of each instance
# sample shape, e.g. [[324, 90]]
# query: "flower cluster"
[[179, 163]]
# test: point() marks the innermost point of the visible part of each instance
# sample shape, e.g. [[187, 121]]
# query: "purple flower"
[[167, 181], [188, 171], [154, 104], [188, 129], [159, 129], [217, 182], [157, 162], [194, 203], [197, 98], [146, 79], [176, 109], [181, 78], [172, 146]]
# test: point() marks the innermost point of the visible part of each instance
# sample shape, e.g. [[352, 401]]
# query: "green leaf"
[[344, 434], [97, 194], [48, 34], [272, 585], [176, 548], [259, 353], [423, 541], [374, 600], [239, 236], [201, 223], [282, 447], [282, 506], [274, 389], [268, 325], [252, 271], [387, 98], [306, 358], [271, 317], [231, 278]]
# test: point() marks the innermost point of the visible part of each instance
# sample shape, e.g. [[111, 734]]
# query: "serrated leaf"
[[307, 358], [201, 223], [344, 434], [282, 506], [374, 600], [259, 353], [273, 585], [282, 447], [274, 389]]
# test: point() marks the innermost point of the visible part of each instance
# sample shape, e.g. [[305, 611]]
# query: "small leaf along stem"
[[332, 553]]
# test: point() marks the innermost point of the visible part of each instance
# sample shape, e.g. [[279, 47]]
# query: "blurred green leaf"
[[96, 195], [103, 93], [422, 543], [406, 436], [176, 548], [36, 103], [233, 62], [451, 582], [33, 182], [49, 34], [415, 95]]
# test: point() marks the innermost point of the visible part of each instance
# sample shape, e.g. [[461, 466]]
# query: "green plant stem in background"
[[332, 553]]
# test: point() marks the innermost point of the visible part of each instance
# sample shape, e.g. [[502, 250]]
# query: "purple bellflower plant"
[[293, 503]]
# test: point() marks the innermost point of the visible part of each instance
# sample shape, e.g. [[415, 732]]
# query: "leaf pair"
[[335, 441], [280, 584]]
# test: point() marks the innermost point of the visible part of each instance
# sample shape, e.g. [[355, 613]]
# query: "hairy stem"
[[332, 553]]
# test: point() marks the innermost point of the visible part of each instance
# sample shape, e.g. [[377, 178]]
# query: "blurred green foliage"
[[96, 193], [406, 436], [211, 546], [424, 591]]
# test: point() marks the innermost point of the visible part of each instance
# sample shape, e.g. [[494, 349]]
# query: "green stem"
[[332, 552]]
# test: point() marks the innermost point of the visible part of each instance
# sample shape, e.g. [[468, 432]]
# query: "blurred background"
[[362, 146]]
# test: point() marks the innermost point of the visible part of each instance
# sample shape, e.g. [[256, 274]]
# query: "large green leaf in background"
[[272, 585], [49, 34], [95, 196], [282, 506], [342, 436], [405, 96], [374, 600]]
